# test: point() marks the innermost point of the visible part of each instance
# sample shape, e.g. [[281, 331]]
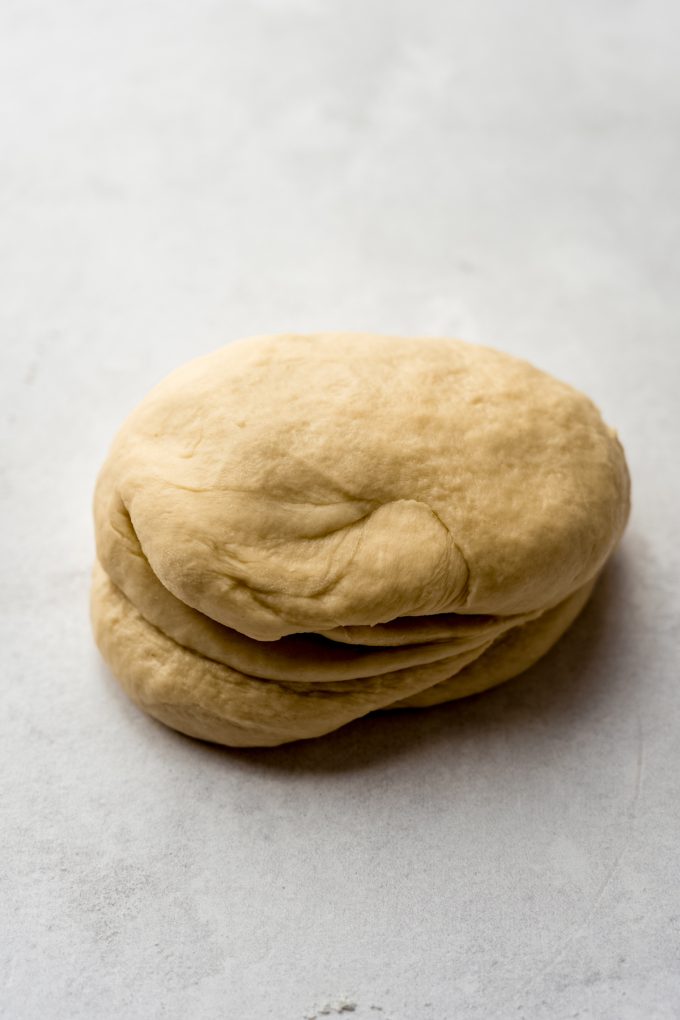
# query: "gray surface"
[[178, 174]]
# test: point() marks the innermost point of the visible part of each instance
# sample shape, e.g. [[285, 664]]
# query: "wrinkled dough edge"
[[512, 654], [207, 700], [228, 592], [123, 559]]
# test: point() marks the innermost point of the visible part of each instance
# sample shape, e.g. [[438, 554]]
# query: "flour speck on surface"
[[338, 1006]]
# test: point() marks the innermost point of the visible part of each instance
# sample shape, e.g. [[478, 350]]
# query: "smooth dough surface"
[[296, 530]]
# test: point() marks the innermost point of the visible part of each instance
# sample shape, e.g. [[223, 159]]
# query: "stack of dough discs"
[[295, 531]]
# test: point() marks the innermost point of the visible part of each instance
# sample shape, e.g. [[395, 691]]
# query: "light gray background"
[[177, 174]]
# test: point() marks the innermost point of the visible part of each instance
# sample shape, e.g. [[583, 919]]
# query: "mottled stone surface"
[[174, 175]]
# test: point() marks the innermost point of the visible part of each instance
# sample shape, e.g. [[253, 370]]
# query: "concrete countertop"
[[175, 175]]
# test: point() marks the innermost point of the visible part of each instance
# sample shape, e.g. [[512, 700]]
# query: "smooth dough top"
[[295, 483]]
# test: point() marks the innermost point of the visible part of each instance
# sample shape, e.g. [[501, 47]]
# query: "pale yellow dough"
[[297, 530]]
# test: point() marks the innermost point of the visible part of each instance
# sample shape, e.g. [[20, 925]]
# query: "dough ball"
[[296, 530]]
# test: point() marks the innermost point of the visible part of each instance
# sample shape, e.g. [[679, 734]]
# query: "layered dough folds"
[[295, 531]]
